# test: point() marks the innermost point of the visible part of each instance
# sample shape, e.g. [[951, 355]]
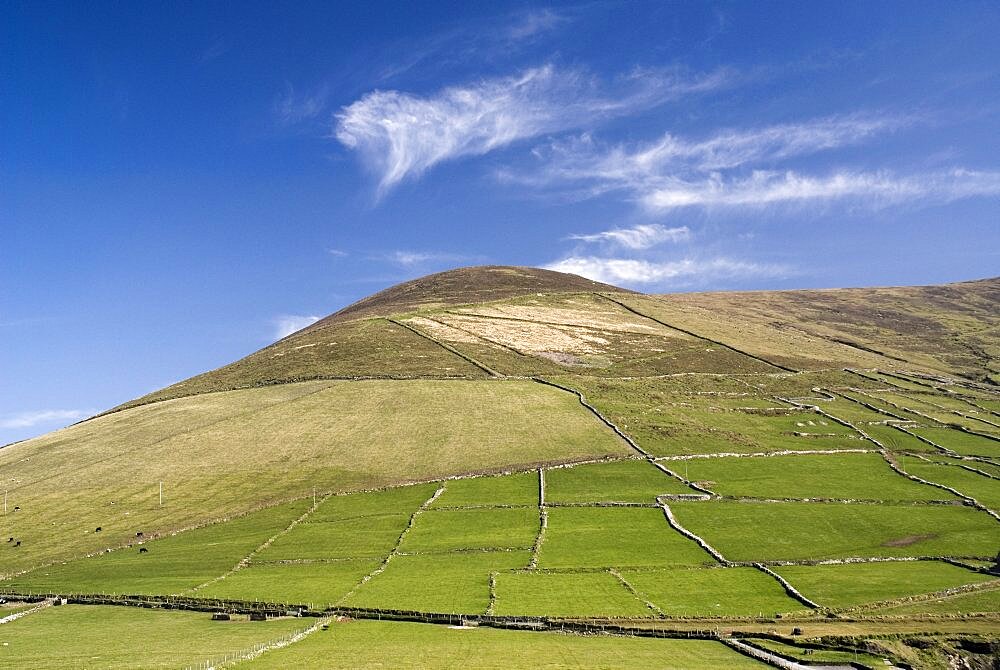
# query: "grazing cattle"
[[97, 530], [139, 534], [17, 508], [10, 539], [17, 544], [143, 550]]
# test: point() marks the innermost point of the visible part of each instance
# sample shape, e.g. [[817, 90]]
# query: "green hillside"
[[519, 448]]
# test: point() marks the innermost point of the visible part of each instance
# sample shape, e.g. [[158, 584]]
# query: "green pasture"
[[959, 441], [983, 489], [794, 530], [338, 436], [811, 655], [963, 603], [483, 528], [621, 481], [456, 582], [368, 645], [584, 537], [846, 476], [364, 537], [318, 584], [853, 584], [896, 440], [566, 594], [171, 565], [399, 500], [82, 636], [712, 592], [516, 489]]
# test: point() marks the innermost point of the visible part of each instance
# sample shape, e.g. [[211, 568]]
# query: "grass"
[[983, 489], [365, 348], [712, 592], [80, 636], [224, 453], [458, 582], [590, 594], [584, 537], [847, 476], [367, 645], [172, 564], [681, 415], [316, 584], [448, 529], [622, 481], [965, 603], [813, 656], [896, 440], [364, 537], [518, 489], [399, 500], [859, 583], [956, 440], [791, 531]]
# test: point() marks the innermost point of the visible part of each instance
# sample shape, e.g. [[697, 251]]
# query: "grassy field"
[[318, 584], [966, 603], [623, 481], [829, 656], [712, 592], [956, 440], [457, 582], [692, 415], [363, 537], [792, 531], [983, 489], [586, 594], [896, 440], [79, 636], [222, 453], [398, 500], [448, 529], [172, 564], [367, 645], [583, 537], [847, 476], [519, 489], [859, 583]]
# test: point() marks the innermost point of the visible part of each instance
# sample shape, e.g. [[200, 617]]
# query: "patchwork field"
[[700, 471]]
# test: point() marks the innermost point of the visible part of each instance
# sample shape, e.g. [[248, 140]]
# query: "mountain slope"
[[431, 379]]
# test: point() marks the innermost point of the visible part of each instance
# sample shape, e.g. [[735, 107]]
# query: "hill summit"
[[482, 283]]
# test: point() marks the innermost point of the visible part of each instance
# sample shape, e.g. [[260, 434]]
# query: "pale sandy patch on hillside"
[[605, 319], [441, 331], [530, 337]]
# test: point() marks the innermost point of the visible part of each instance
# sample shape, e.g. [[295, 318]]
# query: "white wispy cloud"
[[287, 324], [632, 271], [534, 22], [727, 169], [769, 187], [292, 107], [400, 135], [642, 236], [44, 416]]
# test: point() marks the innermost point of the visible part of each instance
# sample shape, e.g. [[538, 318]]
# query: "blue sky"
[[181, 183]]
